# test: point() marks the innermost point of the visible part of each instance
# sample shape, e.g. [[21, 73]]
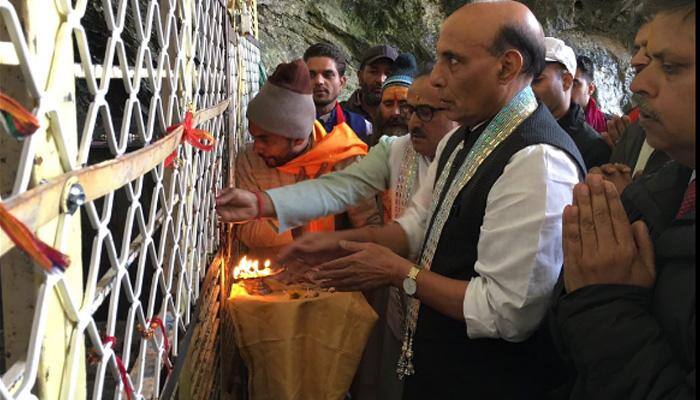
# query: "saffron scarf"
[[328, 150]]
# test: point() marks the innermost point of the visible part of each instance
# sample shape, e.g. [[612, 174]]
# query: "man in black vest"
[[492, 253], [627, 320]]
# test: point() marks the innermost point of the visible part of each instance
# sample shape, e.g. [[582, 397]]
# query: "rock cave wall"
[[602, 29]]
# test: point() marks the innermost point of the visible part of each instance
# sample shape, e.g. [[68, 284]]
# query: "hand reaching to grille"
[[238, 205]]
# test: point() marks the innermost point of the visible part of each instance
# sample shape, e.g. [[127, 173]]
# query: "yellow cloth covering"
[[305, 349]]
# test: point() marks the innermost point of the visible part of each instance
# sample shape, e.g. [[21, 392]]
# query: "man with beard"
[[289, 145], [375, 65], [389, 120], [327, 68], [553, 87], [396, 166], [627, 320]]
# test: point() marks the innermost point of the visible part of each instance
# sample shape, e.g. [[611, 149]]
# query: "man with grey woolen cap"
[[553, 87], [290, 145]]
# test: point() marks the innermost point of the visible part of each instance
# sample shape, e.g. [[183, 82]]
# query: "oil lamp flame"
[[250, 269]]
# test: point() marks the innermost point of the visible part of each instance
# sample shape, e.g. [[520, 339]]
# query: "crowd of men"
[[516, 242]]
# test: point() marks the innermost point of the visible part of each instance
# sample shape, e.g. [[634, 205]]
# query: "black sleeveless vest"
[[448, 364]]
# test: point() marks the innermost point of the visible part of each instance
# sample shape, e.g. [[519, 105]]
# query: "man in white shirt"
[[493, 226], [490, 236]]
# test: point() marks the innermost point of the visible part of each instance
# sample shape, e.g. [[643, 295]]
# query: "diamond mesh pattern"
[[151, 240]]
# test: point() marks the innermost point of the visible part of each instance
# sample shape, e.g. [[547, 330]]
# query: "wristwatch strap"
[[413, 273]]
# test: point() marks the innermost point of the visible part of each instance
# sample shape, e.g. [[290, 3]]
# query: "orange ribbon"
[[19, 122], [195, 137], [43, 254]]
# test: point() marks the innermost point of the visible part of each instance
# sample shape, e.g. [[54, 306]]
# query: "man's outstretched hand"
[[238, 205], [366, 267], [314, 249]]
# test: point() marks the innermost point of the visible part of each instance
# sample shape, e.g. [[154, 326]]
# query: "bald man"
[[488, 230]]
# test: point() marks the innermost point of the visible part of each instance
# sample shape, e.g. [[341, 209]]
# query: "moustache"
[[418, 134], [645, 108]]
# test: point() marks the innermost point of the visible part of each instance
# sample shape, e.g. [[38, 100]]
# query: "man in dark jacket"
[[632, 156], [553, 87], [627, 320], [327, 68], [374, 69], [582, 94]]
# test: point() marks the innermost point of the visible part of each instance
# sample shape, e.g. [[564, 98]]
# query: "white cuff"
[[477, 312], [414, 235]]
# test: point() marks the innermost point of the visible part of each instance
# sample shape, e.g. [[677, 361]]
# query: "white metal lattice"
[[161, 226], [248, 83]]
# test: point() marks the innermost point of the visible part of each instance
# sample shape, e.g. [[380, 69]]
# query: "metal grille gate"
[[103, 106]]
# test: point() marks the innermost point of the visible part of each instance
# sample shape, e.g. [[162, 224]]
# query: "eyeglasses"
[[424, 112]]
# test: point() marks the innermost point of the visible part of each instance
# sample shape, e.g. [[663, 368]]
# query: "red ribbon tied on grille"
[[195, 137], [156, 322], [43, 254], [120, 365], [147, 333], [16, 120]]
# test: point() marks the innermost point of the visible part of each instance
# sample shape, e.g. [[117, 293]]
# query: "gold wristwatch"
[[410, 285]]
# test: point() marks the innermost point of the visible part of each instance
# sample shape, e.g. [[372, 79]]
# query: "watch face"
[[409, 286]]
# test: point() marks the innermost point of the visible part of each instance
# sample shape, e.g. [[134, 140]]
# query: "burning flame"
[[249, 269]]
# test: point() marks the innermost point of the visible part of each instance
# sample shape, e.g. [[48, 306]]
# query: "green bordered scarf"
[[502, 125]]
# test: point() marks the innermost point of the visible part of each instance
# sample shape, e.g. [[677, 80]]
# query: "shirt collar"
[[477, 126]]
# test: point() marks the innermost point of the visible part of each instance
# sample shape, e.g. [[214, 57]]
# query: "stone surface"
[[601, 29]]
